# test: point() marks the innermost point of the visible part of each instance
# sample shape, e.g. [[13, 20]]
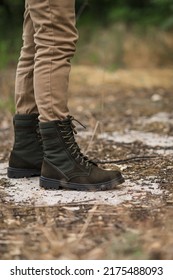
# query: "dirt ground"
[[129, 119]]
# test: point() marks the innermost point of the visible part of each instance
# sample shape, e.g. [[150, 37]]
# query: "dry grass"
[[121, 47], [85, 232]]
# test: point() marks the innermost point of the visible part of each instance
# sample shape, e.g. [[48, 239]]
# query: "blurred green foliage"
[[140, 12], [11, 18]]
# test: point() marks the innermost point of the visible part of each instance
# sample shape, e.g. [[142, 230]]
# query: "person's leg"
[[27, 153], [49, 38], [55, 39], [24, 90]]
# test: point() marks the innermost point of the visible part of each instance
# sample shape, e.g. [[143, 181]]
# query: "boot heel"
[[47, 183], [22, 173]]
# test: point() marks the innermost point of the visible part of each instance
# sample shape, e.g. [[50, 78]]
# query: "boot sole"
[[47, 183], [22, 173]]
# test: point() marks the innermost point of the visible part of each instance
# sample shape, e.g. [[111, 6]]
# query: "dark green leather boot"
[[27, 154], [65, 166]]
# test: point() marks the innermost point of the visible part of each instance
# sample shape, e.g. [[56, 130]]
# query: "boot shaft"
[[27, 151], [59, 145], [25, 130]]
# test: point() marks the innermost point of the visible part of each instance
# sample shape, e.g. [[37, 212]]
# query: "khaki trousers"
[[42, 75]]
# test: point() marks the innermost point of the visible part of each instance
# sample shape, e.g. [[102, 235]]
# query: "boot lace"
[[70, 141]]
